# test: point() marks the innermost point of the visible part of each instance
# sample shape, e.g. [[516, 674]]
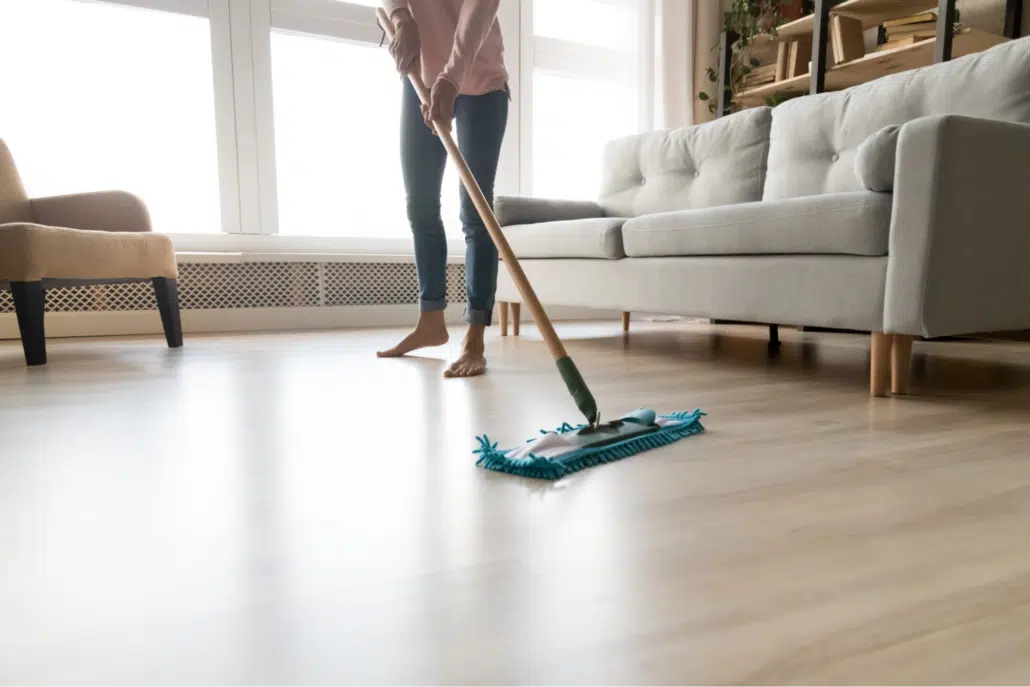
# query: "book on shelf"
[[907, 40], [914, 19], [846, 39], [761, 75], [799, 58], [909, 29]]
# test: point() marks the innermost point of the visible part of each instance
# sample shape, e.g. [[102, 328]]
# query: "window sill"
[[265, 248]]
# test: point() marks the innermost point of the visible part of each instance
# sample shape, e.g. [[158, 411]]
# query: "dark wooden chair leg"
[[29, 304], [167, 292], [774, 338]]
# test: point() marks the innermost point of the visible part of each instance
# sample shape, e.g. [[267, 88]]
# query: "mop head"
[[569, 449]]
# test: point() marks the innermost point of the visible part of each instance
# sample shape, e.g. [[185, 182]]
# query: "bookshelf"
[[873, 66], [816, 32]]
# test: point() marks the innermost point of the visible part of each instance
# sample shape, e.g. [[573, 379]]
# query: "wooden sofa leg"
[[625, 323], [901, 364], [502, 312], [29, 304], [516, 315], [880, 363], [167, 292]]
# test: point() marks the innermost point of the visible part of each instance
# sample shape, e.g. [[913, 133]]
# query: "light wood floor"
[[285, 508]]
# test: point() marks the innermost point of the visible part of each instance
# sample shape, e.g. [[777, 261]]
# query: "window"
[[106, 96], [601, 23], [230, 117], [573, 117], [337, 118], [585, 91]]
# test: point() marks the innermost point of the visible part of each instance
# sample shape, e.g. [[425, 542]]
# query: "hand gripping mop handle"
[[573, 379]]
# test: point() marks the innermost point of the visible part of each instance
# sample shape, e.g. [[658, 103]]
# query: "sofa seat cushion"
[[855, 223], [31, 252], [599, 238]]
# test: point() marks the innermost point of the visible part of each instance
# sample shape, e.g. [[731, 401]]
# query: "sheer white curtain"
[[686, 31]]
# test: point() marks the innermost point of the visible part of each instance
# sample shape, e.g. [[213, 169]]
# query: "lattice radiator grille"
[[215, 285]]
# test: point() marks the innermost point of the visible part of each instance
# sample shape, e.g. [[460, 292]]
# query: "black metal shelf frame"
[[820, 33]]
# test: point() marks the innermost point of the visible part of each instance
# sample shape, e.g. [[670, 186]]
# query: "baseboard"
[[143, 322]]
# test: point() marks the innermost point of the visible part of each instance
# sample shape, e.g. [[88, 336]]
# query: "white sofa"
[[900, 207]]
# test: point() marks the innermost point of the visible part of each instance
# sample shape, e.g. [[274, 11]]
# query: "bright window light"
[[337, 141], [99, 96], [601, 23], [573, 118]]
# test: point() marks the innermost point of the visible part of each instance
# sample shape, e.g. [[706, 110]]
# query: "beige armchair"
[[86, 238]]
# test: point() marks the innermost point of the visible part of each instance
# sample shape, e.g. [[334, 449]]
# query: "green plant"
[[747, 20], [775, 99]]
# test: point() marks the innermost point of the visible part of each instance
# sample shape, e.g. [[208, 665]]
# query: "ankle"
[[474, 337], [432, 320]]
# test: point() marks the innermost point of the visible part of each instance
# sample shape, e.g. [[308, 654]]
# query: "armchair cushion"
[[100, 211], [31, 252]]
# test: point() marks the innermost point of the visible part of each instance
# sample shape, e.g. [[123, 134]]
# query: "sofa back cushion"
[[14, 204], [814, 140], [718, 163]]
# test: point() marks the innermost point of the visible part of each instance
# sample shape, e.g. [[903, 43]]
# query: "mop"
[[569, 448]]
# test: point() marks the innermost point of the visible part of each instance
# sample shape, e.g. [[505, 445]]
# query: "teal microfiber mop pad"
[[569, 449]]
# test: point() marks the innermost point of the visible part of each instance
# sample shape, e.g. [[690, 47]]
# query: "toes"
[[466, 368], [469, 370]]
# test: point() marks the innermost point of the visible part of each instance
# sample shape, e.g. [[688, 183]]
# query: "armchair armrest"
[[512, 210], [99, 211], [959, 254]]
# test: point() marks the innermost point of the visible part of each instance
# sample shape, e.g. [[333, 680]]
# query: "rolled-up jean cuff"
[[432, 306], [480, 317]]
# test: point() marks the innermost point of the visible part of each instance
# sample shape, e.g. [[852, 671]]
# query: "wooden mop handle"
[[543, 323]]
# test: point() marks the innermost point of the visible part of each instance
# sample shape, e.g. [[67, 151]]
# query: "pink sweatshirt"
[[461, 42]]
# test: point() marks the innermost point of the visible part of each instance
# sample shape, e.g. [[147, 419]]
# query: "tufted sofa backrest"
[[814, 140], [719, 163]]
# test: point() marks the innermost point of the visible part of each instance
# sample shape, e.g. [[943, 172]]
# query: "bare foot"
[[431, 330], [472, 361]]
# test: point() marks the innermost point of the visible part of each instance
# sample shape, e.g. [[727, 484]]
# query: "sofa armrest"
[[512, 210], [99, 211], [959, 252]]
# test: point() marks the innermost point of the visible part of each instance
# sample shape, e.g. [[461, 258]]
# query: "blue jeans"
[[481, 121]]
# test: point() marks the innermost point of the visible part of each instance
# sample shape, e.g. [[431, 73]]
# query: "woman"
[[457, 45]]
